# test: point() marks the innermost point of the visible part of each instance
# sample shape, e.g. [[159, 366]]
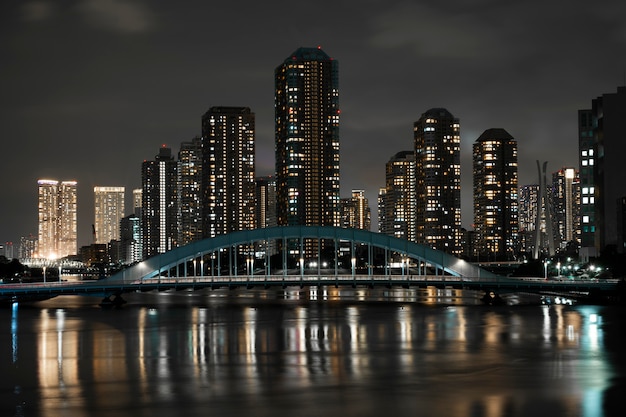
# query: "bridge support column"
[[492, 299], [116, 301]]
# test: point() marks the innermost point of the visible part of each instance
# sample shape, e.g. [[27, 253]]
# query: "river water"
[[289, 354]]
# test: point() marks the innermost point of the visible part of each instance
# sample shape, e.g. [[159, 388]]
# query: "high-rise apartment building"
[[380, 204], [266, 201], [137, 201], [57, 204], [528, 204], [265, 213], [565, 194], [131, 250], [355, 211], [438, 181], [28, 247], [307, 139], [602, 130], [228, 135], [586, 163], [544, 224], [159, 203], [109, 210], [190, 191], [398, 205], [495, 195]]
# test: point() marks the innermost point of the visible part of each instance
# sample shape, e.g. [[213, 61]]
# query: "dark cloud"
[[91, 88], [123, 16], [34, 11]]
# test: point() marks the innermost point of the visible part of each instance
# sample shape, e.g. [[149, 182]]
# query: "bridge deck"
[[106, 288]]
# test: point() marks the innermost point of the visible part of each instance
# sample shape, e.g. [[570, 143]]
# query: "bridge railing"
[[306, 278], [240, 279], [310, 280]]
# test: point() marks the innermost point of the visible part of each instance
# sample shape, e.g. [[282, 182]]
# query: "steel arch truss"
[[424, 259]]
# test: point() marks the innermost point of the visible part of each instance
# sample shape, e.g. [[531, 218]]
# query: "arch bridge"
[[301, 256], [292, 251]]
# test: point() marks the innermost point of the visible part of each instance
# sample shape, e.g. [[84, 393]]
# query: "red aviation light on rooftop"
[[319, 47]]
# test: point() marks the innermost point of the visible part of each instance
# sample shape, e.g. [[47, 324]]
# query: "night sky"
[[90, 89]]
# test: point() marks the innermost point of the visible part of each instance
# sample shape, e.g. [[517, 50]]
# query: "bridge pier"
[[116, 301], [492, 299]]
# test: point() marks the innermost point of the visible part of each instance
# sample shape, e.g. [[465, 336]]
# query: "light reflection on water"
[[164, 354]]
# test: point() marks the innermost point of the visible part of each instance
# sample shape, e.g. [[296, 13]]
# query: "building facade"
[[355, 211], [528, 203], [228, 187], [398, 200], [159, 222], [438, 181], [307, 139], [605, 159], [131, 250], [586, 159], [108, 211], [495, 195], [566, 203], [137, 201], [57, 209], [266, 201], [190, 191], [265, 213]]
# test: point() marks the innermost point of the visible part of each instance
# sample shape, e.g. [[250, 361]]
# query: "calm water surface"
[[202, 355]]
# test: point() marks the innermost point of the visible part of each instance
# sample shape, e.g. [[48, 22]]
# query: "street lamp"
[[545, 268], [44, 274]]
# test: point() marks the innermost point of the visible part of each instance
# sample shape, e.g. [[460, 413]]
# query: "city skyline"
[[69, 111]]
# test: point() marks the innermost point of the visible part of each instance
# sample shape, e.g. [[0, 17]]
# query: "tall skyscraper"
[[438, 180], [265, 213], [399, 197], [586, 159], [355, 211], [380, 204], [57, 203], [137, 201], [131, 250], [28, 247], [228, 170], [266, 201], [159, 203], [307, 139], [544, 230], [495, 195], [565, 194], [190, 191], [528, 198], [109, 210], [608, 129]]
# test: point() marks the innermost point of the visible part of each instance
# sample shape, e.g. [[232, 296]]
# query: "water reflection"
[[368, 358]]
